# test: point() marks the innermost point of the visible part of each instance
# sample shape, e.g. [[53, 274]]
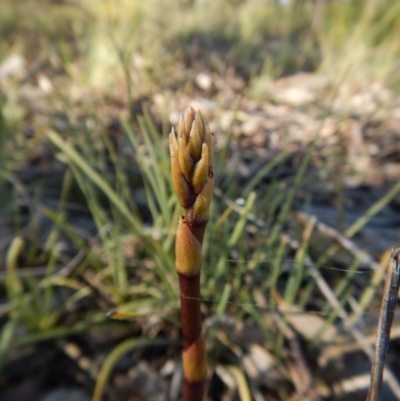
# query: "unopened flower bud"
[[192, 156]]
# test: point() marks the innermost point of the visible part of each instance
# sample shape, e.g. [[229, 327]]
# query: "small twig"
[[384, 325], [346, 243]]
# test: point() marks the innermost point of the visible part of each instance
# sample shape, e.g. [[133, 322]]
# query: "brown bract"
[[188, 253], [194, 361]]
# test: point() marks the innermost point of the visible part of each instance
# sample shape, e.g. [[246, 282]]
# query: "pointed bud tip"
[[188, 119]]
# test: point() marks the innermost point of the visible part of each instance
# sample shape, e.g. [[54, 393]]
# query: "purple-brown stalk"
[[192, 153]]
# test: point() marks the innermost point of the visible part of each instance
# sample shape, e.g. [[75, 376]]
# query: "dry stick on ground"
[[192, 152], [386, 315]]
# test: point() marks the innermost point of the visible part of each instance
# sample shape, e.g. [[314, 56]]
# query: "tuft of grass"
[[358, 42]]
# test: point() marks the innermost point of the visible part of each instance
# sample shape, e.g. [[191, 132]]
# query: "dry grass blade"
[[384, 326]]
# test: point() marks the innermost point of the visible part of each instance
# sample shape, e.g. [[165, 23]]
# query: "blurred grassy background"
[[88, 93]]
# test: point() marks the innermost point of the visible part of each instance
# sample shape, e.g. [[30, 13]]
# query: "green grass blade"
[[74, 157], [119, 351]]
